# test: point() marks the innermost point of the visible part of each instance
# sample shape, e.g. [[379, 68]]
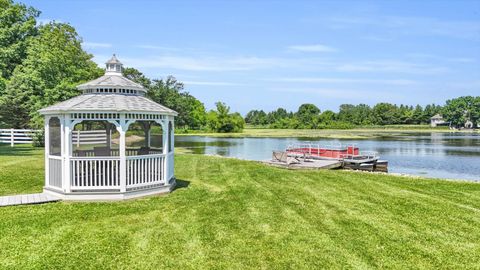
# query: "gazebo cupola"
[[114, 67], [110, 142]]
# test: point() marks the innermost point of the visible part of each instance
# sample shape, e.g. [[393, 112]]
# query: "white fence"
[[89, 137], [16, 136], [21, 136]]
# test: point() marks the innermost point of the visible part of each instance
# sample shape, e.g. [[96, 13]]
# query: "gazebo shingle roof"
[[108, 102], [113, 60], [111, 81]]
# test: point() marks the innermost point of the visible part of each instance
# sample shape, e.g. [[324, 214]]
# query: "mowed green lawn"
[[232, 214]]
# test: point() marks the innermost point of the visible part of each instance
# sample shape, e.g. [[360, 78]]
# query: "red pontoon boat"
[[350, 155], [316, 150]]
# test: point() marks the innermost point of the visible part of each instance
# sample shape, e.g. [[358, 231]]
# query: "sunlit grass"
[[233, 214]]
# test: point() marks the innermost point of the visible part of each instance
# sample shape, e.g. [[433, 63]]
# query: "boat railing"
[[369, 154], [364, 155], [318, 147]]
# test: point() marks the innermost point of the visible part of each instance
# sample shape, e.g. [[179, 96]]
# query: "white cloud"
[[155, 47], [461, 60], [220, 63], [475, 84], [401, 26], [427, 56], [312, 48], [207, 83], [202, 63], [347, 80], [393, 66], [340, 94], [93, 45]]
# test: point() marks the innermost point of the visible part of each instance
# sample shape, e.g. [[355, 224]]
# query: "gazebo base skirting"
[[105, 195], [101, 178]]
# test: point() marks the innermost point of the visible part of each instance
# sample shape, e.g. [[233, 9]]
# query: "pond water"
[[439, 155]]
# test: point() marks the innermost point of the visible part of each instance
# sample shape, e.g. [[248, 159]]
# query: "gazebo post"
[[171, 142], [67, 152], [172, 133], [122, 129], [62, 149], [47, 149], [165, 147]]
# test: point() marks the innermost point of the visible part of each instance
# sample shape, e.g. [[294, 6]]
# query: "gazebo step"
[[35, 198]]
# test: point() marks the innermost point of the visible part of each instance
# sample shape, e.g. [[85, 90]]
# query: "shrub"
[[38, 138]]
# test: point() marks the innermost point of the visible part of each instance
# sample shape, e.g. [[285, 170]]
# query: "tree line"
[[456, 111], [41, 64]]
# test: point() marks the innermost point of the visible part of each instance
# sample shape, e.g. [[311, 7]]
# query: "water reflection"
[[444, 155]]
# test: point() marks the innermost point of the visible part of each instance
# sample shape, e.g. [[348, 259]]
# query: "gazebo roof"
[[436, 116], [108, 103], [113, 60], [110, 93], [109, 80]]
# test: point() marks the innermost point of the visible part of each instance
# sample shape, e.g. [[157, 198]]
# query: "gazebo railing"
[[145, 170], [103, 173], [55, 171], [89, 173]]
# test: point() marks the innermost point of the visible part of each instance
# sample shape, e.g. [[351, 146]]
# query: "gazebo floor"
[[35, 198]]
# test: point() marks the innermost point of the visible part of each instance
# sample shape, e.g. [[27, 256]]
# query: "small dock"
[[35, 198], [284, 160], [295, 160], [313, 164]]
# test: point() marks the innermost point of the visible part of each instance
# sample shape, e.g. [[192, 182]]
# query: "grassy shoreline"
[[230, 213], [359, 133]]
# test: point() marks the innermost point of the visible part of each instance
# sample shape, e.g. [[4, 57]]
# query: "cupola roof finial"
[[114, 66]]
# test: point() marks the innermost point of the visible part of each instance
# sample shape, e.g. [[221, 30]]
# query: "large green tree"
[[355, 114], [277, 115], [256, 117], [171, 93], [307, 115], [137, 76], [418, 115], [17, 26], [458, 110], [221, 120], [384, 114], [54, 66]]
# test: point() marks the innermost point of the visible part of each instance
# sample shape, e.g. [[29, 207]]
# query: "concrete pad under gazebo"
[[109, 170]]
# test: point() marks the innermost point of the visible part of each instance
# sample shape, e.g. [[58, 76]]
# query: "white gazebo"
[[109, 143]]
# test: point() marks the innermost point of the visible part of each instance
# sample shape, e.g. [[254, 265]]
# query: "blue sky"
[[269, 54]]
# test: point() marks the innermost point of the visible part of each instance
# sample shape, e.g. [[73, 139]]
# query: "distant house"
[[437, 120]]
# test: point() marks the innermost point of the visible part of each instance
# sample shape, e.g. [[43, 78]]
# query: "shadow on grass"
[[7, 150], [181, 184]]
